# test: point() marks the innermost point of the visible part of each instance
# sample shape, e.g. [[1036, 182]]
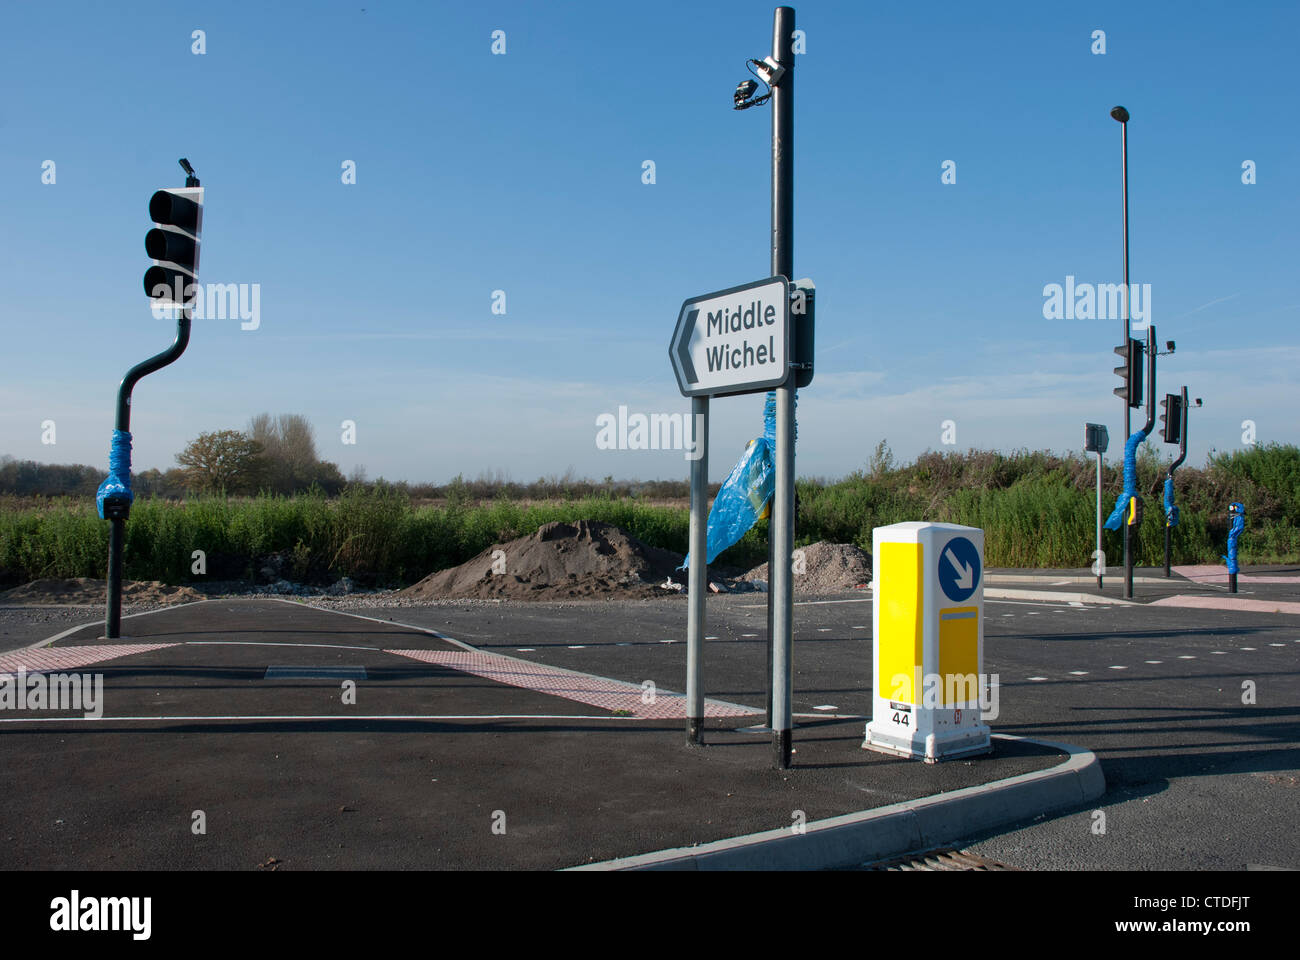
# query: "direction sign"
[[733, 341], [959, 569]]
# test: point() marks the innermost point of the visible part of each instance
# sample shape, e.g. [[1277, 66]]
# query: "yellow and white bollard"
[[928, 629]]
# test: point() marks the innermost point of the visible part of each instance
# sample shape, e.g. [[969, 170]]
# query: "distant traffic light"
[[173, 244], [1171, 419], [1130, 372]]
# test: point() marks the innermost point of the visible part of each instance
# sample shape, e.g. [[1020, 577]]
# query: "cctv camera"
[[744, 90]]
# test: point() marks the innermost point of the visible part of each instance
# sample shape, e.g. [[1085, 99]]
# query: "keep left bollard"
[[927, 666]]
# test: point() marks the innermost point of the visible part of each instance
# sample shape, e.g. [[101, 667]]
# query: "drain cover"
[[315, 673], [939, 860]]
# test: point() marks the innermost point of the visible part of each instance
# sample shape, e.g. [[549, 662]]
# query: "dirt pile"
[[83, 590], [587, 558], [824, 568]]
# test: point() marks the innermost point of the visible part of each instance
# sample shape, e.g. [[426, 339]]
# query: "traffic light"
[[1130, 371], [1172, 418], [173, 244]]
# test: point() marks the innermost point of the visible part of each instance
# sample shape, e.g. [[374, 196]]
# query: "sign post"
[[739, 341], [780, 596], [730, 342], [1096, 438]]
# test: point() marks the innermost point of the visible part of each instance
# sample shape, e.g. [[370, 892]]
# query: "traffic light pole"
[[174, 249], [117, 530], [1182, 455], [1146, 430], [780, 596]]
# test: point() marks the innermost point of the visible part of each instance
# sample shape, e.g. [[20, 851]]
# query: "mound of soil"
[[588, 558], [83, 590], [827, 567]]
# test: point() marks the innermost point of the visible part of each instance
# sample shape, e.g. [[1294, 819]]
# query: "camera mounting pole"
[[779, 598]]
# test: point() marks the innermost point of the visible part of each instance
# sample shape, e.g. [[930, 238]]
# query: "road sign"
[[1096, 438], [733, 341], [959, 569]]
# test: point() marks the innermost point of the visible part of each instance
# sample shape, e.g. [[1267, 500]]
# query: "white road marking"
[[1078, 673], [1035, 678], [826, 706], [1155, 661], [1186, 657], [1119, 668], [1247, 648], [577, 646], [525, 649]]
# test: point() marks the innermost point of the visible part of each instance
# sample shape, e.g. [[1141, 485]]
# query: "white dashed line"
[[826, 706], [1247, 648], [525, 649], [578, 646], [1114, 667], [1155, 661], [1035, 678], [1186, 656], [1078, 673], [1218, 653]]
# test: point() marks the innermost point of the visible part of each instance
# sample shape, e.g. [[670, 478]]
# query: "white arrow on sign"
[[733, 341], [965, 574]]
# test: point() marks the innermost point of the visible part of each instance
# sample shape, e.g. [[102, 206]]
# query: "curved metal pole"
[[117, 528]]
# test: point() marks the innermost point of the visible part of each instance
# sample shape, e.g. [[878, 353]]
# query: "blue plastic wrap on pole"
[[1130, 480], [741, 499], [746, 491], [119, 471], [1171, 508], [1238, 525]]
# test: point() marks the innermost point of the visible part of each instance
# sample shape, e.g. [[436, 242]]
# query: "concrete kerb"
[[899, 828]]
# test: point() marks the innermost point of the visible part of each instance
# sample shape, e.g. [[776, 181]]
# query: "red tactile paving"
[[596, 691], [1245, 604], [66, 658], [1206, 573]]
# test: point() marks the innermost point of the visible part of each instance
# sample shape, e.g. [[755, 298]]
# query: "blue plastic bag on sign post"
[[746, 494]]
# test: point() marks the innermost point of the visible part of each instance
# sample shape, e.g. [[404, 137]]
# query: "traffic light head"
[[173, 245], [1171, 419], [1130, 372]]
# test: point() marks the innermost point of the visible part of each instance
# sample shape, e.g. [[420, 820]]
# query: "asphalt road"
[[1197, 778]]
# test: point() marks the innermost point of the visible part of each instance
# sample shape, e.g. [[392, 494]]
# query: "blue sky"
[[522, 172]]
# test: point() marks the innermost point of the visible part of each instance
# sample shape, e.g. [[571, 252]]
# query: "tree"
[[223, 461], [289, 450]]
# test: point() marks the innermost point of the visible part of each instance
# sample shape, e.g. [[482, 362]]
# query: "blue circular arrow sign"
[[959, 569]]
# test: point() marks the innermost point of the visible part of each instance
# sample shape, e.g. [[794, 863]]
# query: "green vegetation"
[[1037, 510]]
